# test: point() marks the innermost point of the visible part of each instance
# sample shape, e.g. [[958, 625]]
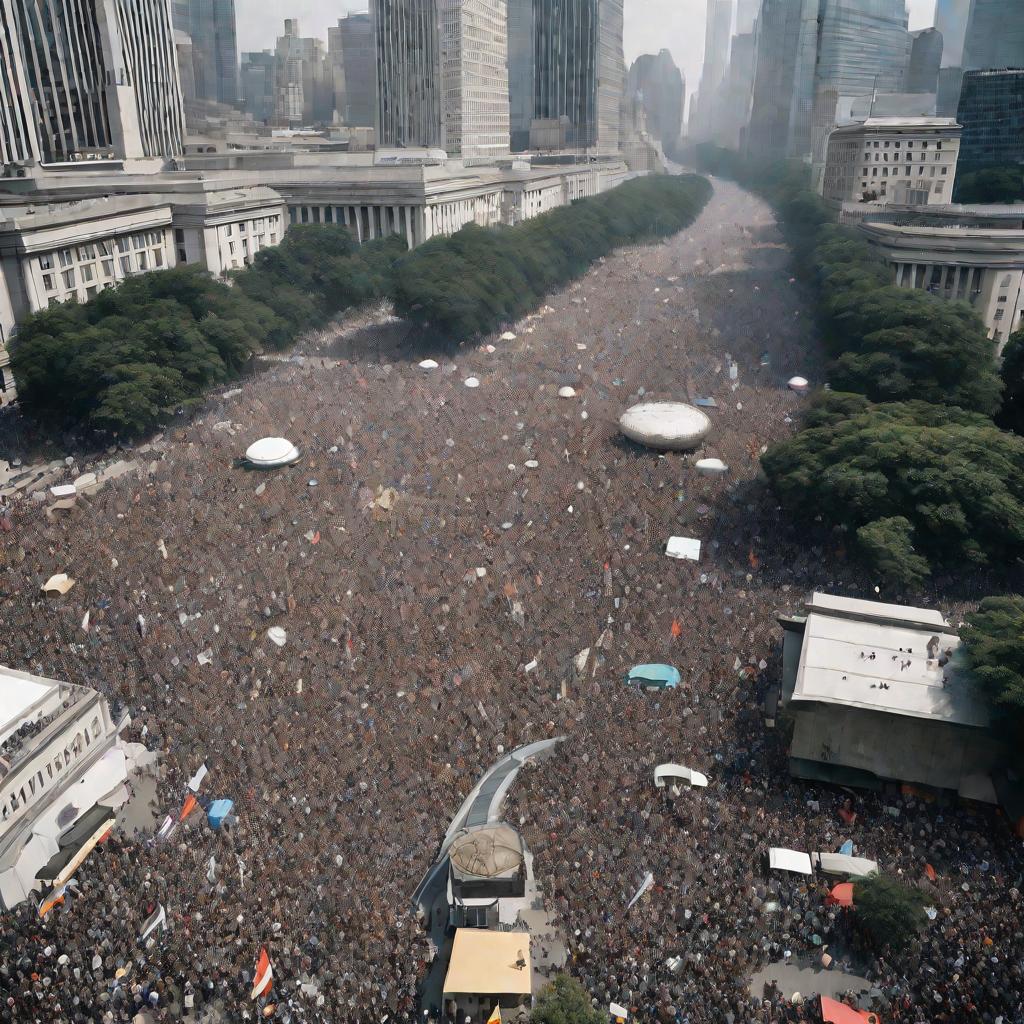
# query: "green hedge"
[[126, 360], [479, 278]]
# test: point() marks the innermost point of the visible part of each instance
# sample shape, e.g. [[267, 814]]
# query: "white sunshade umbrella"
[[676, 771]]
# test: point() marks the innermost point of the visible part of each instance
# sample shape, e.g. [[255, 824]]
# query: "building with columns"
[[972, 254]]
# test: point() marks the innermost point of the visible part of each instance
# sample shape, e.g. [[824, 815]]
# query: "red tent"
[[841, 895], [839, 1013]]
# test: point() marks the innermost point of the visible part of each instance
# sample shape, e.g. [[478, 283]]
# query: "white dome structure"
[[798, 384], [271, 452], [673, 426], [711, 467]]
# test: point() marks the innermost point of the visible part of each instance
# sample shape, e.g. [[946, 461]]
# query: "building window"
[[108, 267], [122, 244], [46, 262], [87, 272], [231, 248], [179, 236], [48, 282], [65, 257], [103, 248], [69, 278], [139, 240], [158, 257], [91, 290], [181, 256], [228, 229], [126, 264], [143, 261]]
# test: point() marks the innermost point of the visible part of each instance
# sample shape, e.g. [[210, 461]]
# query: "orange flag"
[[930, 872], [189, 806], [677, 629], [264, 975]]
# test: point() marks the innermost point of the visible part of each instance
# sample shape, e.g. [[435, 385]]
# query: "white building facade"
[[892, 159]]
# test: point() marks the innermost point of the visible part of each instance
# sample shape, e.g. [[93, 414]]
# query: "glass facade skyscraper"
[[991, 111], [995, 35]]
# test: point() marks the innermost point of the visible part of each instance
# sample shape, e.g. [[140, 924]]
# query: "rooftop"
[[885, 657], [489, 963], [19, 693]]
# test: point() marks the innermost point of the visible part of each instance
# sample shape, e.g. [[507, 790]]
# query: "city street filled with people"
[[452, 570]]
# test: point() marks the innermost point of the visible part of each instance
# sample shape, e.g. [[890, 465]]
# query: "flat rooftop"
[[484, 963], [885, 657], [19, 691]]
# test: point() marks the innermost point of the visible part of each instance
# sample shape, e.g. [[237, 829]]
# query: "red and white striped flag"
[[264, 975]]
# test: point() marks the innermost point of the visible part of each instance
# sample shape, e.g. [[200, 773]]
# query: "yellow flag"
[[495, 1017]]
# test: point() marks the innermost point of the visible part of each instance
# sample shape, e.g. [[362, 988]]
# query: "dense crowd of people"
[[437, 563]]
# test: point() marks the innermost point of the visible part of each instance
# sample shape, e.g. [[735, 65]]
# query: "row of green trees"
[[128, 358], [132, 356], [479, 278], [902, 455]]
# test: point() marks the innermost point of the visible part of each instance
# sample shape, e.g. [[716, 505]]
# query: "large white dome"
[[271, 451], [675, 426]]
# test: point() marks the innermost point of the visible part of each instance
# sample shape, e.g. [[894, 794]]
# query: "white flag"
[[197, 780], [158, 919], [211, 871], [645, 885]]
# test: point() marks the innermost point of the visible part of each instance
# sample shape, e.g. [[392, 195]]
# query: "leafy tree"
[[956, 479], [1011, 416], [888, 544], [991, 185], [994, 640], [565, 1001], [890, 913]]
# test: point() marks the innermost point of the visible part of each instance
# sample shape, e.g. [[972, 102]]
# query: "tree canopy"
[[565, 1001], [127, 359], [919, 485], [994, 641], [473, 281], [1011, 415], [990, 185], [889, 912]]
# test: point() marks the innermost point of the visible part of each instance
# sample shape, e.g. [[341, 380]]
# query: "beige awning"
[[489, 963]]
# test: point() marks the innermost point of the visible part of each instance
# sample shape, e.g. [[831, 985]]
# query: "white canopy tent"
[[672, 774], [781, 859], [841, 864]]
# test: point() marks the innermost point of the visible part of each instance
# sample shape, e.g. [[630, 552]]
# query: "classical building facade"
[[908, 160]]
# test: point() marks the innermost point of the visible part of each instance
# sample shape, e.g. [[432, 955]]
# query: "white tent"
[[841, 864], [673, 772], [780, 859]]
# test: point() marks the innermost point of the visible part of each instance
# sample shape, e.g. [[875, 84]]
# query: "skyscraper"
[[406, 35], [995, 35], [658, 86], [785, 44], [925, 61], [578, 70], [211, 25], [710, 94], [951, 20], [304, 88], [474, 59], [521, 78], [257, 84], [350, 55], [991, 111], [80, 77]]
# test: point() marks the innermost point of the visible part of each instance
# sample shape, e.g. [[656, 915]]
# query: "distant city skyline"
[[651, 25]]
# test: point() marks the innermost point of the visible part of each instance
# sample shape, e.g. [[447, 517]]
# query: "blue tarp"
[[218, 811], [660, 676]]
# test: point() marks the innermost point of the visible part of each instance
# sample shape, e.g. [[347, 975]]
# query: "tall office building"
[[925, 61], [304, 87], [658, 86], [995, 35], [350, 56], [785, 45], [711, 100], [579, 71], [80, 78], [406, 35], [951, 20], [746, 15], [474, 59], [211, 26], [521, 77], [257, 79], [991, 111]]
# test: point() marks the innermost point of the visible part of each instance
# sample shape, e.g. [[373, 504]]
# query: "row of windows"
[[896, 145], [122, 244], [38, 782], [896, 171], [129, 264]]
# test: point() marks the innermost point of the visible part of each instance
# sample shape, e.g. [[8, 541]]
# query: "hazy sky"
[[650, 25]]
